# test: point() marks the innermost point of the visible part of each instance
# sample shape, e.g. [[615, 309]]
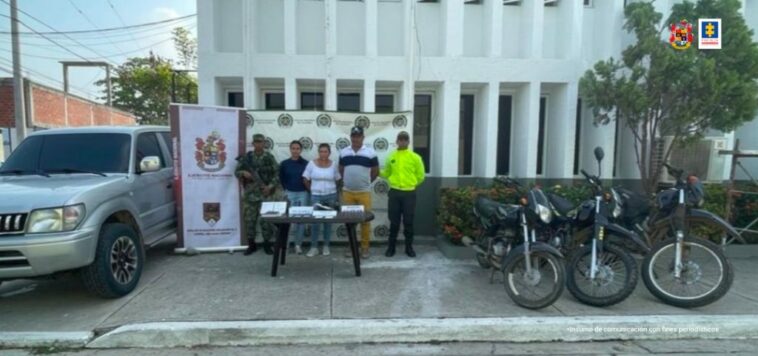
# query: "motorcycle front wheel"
[[615, 276], [706, 275], [539, 287]]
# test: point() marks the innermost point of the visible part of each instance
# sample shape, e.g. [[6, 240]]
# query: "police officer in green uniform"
[[258, 172]]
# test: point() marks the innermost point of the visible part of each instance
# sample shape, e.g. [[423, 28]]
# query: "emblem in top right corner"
[[709, 34]]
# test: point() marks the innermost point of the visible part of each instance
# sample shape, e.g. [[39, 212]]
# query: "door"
[[151, 187]]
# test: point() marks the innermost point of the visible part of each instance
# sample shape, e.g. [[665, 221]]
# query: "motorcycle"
[[533, 270], [684, 270], [599, 272]]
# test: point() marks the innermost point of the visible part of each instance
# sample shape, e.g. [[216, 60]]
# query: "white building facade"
[[493, 83]]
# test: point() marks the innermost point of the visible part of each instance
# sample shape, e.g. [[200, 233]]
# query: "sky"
[[111, 46]]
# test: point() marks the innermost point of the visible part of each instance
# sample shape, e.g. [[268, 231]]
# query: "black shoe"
[[267, 248], [409, 251], [390, 251], [251, 248]]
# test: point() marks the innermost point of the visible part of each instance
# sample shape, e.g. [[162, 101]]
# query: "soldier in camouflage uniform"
[[258, 172]]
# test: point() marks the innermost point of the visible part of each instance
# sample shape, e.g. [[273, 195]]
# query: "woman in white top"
[[321, 177]]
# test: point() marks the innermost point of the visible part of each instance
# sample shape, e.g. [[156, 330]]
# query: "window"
[[541, 137], [422, 127], [64, 152], [235, 99], [170, 145], [350, 102], [274, 101], [147, 145], [504, 112], [587, 3], [512, 2], [577, 134], [384, 103], [312, 101], [466, 135]]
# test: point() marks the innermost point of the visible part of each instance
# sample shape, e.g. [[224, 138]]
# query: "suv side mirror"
[[150, 164], [599, 154]]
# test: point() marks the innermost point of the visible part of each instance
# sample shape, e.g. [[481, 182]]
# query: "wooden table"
[[351, 220]]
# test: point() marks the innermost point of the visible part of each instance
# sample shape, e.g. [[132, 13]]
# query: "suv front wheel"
[[118, 262]]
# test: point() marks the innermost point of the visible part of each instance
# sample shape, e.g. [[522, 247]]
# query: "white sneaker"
[[312, 252], [298, 250], [325, 251]]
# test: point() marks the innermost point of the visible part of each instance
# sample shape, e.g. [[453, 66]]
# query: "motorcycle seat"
[[561, 204]]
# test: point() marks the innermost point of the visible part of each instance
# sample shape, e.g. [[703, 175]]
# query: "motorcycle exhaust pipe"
[[470, 243]]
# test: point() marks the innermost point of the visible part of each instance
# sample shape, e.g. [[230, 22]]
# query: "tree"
[[186, 47], [656, 90], [144, 85]]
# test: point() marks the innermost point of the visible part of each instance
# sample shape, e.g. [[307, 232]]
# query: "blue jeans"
[[323, 199], [298, 199]]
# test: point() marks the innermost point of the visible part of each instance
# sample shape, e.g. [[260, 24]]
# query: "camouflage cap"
[[259, 137]]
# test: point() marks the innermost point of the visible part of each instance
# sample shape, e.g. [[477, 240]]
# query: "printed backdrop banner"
[[207, 140], [315, 127]]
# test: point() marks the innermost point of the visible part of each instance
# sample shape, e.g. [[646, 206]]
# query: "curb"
[[521, 329], [77, 339]]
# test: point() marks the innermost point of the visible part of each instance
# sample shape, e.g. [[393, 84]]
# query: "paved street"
[[690, 347], [232, 287]]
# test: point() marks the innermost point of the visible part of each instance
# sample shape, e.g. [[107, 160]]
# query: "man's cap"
[[259, 137], [402, 135], [356, 130]]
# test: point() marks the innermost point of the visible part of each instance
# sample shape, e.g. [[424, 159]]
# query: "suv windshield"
[[70, 153]]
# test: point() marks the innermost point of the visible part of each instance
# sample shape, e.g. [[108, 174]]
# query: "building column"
[[368, 97], [603, 136], [452, 13], [290, 27], [526, 125], [372, 27], [249, 85], [485, 131], [250, 93], [330, 95], [290, 93], [330, 19], [534, 20], [560, 133], [572, 12], [494, 28], [407, 92], [445, 129]]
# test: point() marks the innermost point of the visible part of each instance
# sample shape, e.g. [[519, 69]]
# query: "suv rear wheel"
[[118, 262]]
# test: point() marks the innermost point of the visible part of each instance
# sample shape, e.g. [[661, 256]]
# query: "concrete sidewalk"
[[232, 287]]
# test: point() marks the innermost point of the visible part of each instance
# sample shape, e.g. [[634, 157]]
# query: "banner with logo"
[[206, 142], [312, 128]]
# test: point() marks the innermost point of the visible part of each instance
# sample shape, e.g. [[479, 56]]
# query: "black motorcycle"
[[534, 275], [599, 271], [682, 269]]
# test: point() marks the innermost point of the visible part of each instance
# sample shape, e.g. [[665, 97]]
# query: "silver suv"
[[89, 200]]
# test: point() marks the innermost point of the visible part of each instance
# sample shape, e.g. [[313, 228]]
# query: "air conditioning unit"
[[700, 158]]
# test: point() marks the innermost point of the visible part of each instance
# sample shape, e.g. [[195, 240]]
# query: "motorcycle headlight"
[[61, 219], [545, 214], [616, 204]]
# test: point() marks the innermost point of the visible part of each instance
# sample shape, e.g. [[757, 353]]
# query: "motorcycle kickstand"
[[492, 276]]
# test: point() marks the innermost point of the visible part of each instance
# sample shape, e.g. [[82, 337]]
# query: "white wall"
[[513, 32], [553, 32], [351, 29], [269, 26], [430, 29], [311, 33], [227, 18], [473, 30], [392, 29]]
